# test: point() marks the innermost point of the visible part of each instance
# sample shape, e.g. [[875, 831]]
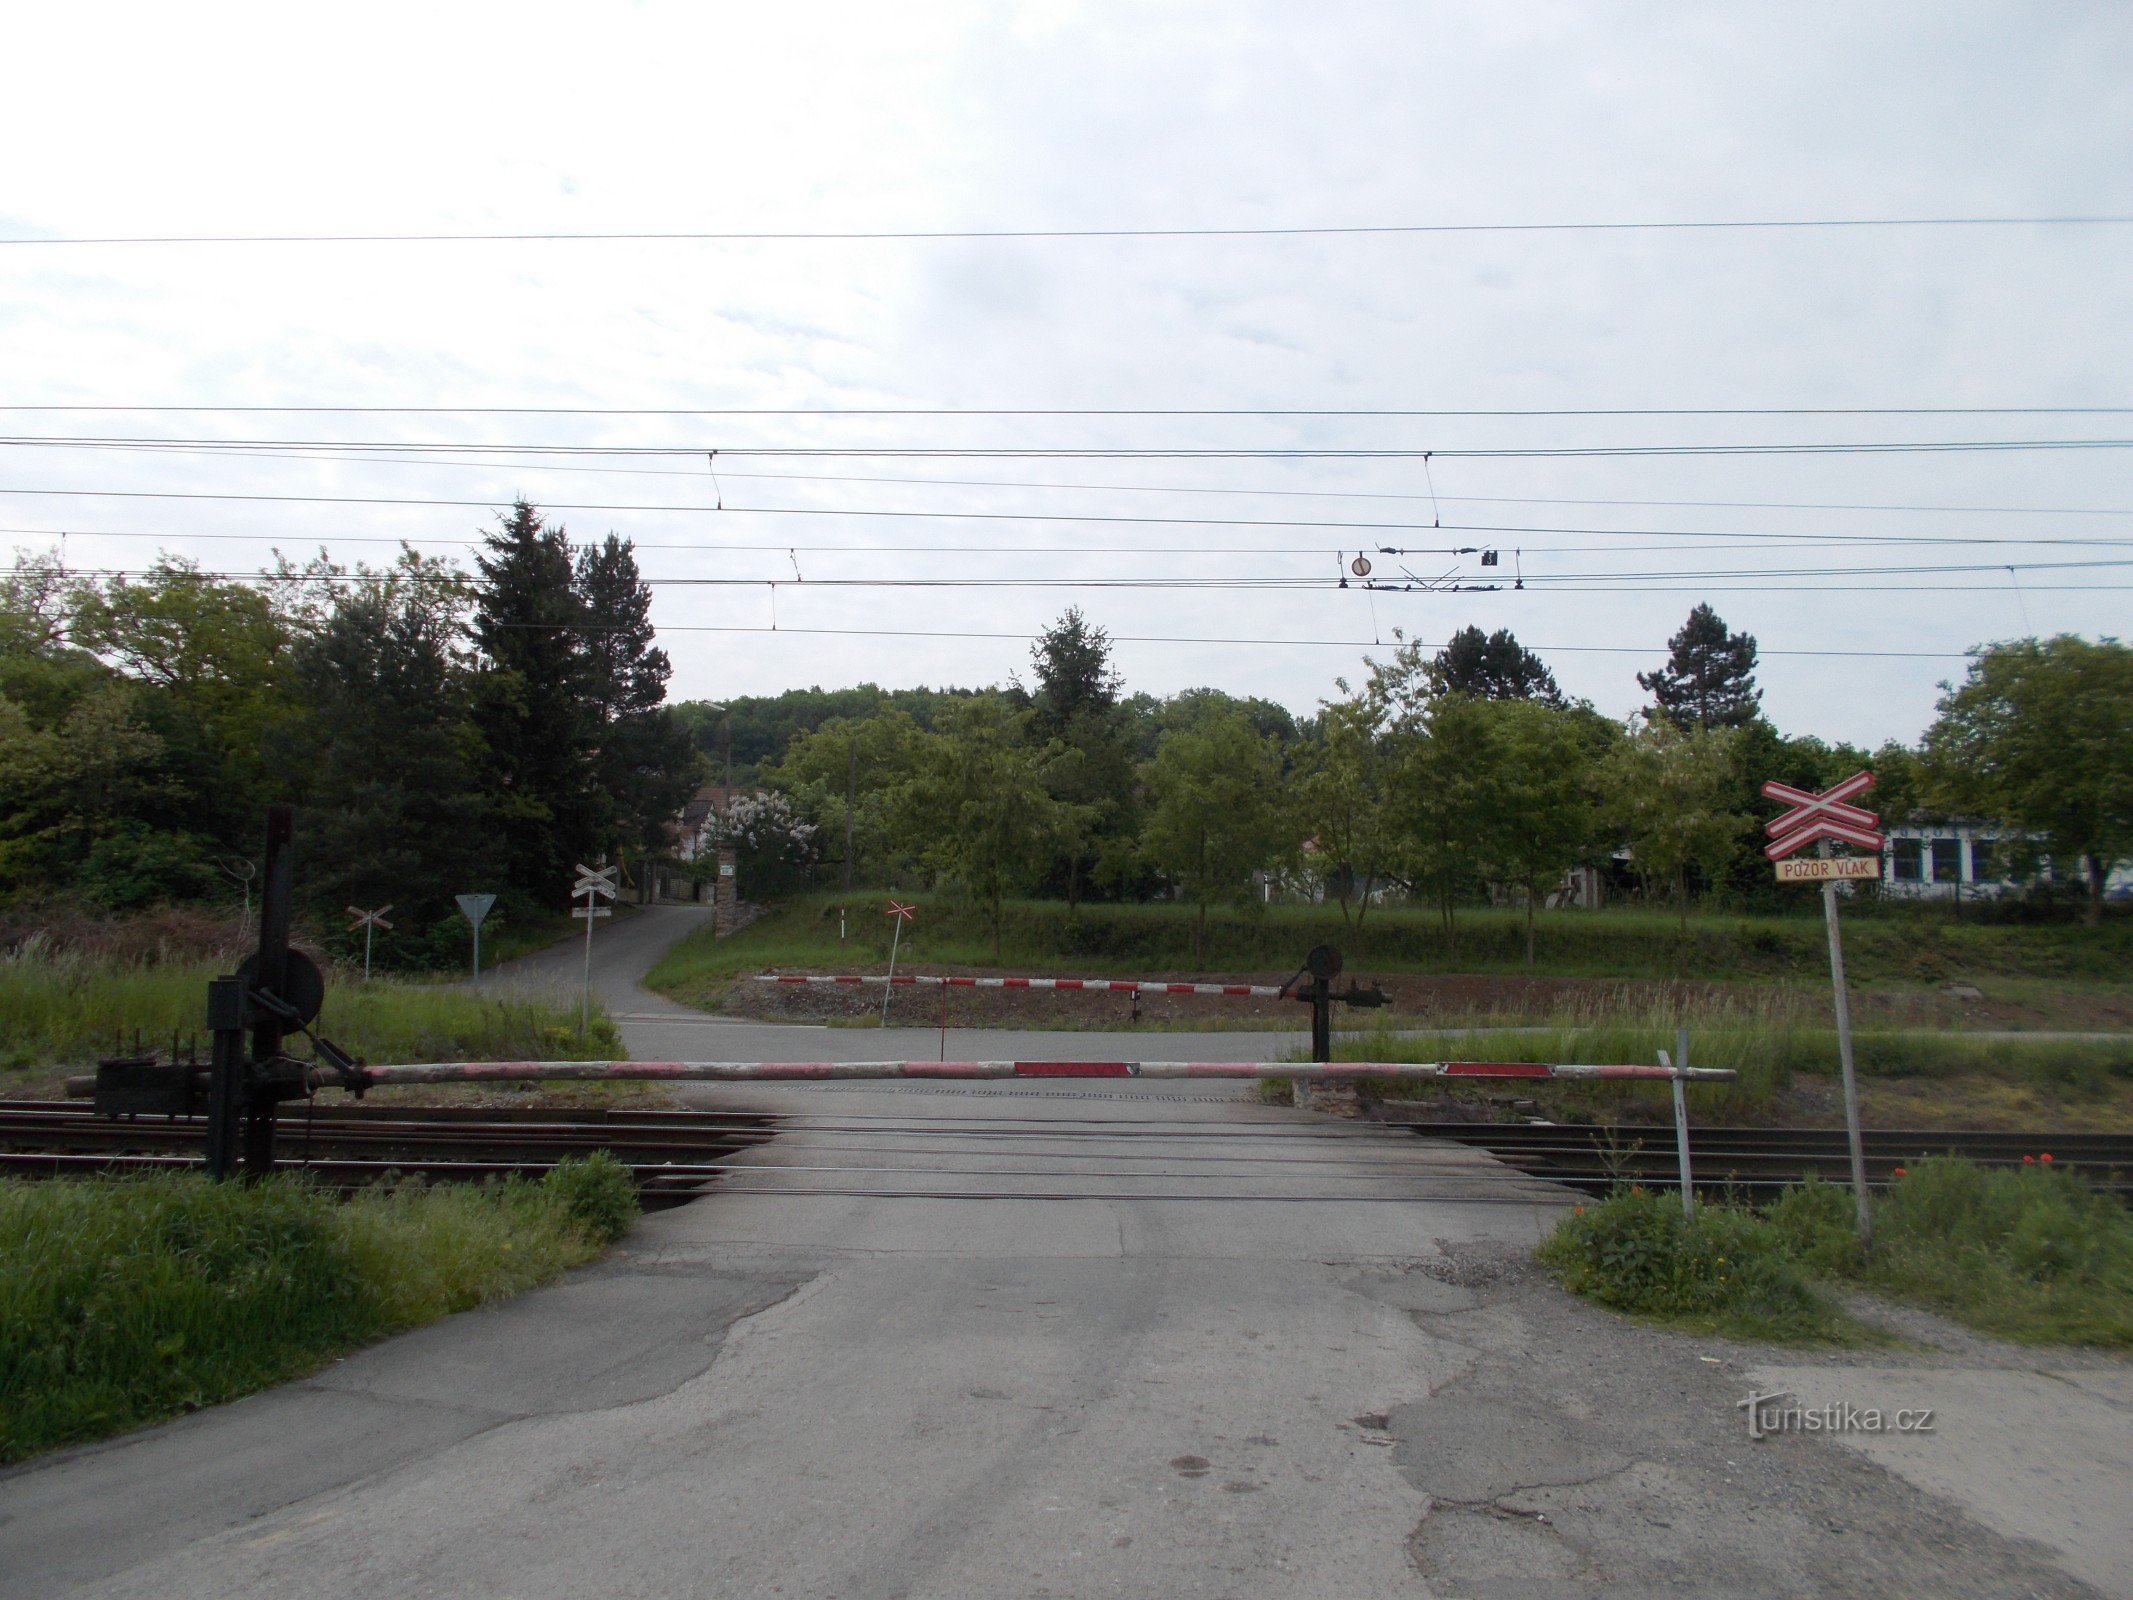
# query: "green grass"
[[2030, 1254], [67, 1011], [1765, 1053], [126, 1301], [1906, 944]]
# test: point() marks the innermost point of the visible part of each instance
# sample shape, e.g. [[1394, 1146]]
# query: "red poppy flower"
[[1901, 1173], [2046, 1156]]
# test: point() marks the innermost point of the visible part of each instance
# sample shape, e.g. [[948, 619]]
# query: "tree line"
[[441, 731], [446, 731], [1451, 778]]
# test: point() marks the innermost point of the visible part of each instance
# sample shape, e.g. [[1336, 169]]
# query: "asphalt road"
[[1085, 1374]]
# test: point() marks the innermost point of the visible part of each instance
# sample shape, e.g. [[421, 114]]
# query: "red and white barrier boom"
[[1115, 985], [816, 1071]]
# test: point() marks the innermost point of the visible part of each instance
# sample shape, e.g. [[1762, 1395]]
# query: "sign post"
[[898, 916], [474, 907], [1823, 816], [368, 921], [595, 884]]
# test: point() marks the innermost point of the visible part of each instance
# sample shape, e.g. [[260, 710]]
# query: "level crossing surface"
[[1102, 1337]]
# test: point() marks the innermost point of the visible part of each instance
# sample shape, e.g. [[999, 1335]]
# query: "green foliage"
[[1894, 944], [1709, 677], [2030, 1253], [1492, 666], [1723, 1269], [124, 1301], [2040, 735], [980, 809], [1346, 797], [1536, 822], [62, 1011], [1666, 787], [1217, 811], [598, 1192], [765, 728]]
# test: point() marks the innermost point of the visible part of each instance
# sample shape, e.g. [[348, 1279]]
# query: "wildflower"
[[1901, 1173], [2046, 1156], [2029, 1161]]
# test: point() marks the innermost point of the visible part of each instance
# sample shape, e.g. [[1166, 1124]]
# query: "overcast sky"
[[129, 121]]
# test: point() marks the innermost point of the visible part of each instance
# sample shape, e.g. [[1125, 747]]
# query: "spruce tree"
[[533, 707], [1709, 677], [644, 761]]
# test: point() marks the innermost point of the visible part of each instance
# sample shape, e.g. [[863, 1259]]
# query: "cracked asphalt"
[[1351, 1384]]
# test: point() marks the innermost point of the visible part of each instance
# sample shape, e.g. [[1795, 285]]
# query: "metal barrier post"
[[1680, 1065]]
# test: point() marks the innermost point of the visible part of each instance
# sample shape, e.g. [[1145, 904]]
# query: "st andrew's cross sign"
[[1814, 817], [1821, 816]]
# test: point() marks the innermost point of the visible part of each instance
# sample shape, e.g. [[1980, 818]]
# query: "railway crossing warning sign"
[[1825, 869], [1827, 815], [1812, 818]]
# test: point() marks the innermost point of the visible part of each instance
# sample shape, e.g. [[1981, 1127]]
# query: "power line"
[[388, 447], [1074, 519], [1409, 412], [1190, 489], [922, 235]]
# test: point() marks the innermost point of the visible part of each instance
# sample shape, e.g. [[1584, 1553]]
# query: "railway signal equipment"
[[369, 922], [474, 907], [594, 884], [898, 915], [1814, 817], [275, 991]]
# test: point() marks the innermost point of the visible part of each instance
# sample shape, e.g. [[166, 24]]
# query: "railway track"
[[672, 1155], [1761, 1160]]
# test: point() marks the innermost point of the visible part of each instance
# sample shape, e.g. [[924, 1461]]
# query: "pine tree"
[[1076, 703], [533, 707], [1492, 667], [1709, 677], [644, 761], [1074, 676]]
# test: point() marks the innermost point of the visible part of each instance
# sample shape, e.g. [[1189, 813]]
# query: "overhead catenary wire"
[[1237, 231], [1098, 452]]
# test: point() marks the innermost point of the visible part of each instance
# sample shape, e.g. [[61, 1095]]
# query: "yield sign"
[[1821, 816]]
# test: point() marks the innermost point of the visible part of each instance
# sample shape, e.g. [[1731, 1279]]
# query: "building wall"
[[1943, 860]]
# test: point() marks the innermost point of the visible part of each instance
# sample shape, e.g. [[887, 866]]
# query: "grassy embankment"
[[2030, 1254], [125, 1301], [60, 1012], [1910, 1078], [1756, 996], [1883, 944]]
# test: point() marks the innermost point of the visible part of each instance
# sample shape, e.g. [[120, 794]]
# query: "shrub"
[[598, 1192], [2030, 1252], [123, 1301], [1724, 1268]]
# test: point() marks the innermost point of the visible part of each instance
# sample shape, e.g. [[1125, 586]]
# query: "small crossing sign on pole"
[[898, 916], [1814, 817], [594, 884], [368, 921], [474, 907]]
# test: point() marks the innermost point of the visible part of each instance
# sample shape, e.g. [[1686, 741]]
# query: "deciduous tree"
[[1217, 812], [2040, 735]]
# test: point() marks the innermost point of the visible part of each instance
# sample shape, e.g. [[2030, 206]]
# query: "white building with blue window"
[[1956, 859]]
